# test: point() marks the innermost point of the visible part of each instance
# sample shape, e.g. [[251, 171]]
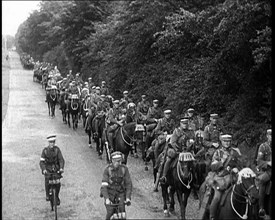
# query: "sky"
[[15, 13]]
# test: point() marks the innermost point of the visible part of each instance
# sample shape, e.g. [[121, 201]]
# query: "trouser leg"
[[214, 204]]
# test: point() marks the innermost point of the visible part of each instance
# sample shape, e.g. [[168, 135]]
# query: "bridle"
[[123, 138], [179, 176], [246, 196]]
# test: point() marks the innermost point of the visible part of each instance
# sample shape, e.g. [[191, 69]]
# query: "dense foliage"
[[213, 55]]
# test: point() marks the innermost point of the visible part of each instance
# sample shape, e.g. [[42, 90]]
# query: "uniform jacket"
[[143, 107], [211, 134], [114, 115], [51, 158], [116, 181], [264, 155], [154, 113], [104, 90], [179, 138], [165, 125]]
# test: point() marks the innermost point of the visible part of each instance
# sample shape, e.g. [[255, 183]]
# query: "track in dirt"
[[24, 132]]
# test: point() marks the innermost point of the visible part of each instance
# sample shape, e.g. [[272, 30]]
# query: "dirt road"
[[24, 132]]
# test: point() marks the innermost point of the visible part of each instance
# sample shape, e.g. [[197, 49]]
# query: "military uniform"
[[142, 109], [178, 143], [124, 102], [264, 167], [116, 185], [211, 135], [153, 113], [104, 90], [115, 117], [51, 160], [220, 174]]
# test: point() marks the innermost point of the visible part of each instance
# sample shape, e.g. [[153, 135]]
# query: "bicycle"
[[54, 179], [117, 214]]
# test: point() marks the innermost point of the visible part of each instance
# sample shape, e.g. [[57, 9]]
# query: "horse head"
[[246, 184], [185, 168]]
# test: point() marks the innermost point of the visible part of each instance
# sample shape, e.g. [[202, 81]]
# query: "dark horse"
[[51, 98], [124, 138], [98, 125], [74, 109], [179, 179], [88, 125], [239, 201], [63, 106]]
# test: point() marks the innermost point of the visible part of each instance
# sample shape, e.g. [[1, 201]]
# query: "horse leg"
[[69, 123], [164, 189], [49, 108], [182, 202], [53, 110], [172, 202]]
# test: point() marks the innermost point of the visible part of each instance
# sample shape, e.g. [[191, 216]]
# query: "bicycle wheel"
[[55, 202], [51, 198]]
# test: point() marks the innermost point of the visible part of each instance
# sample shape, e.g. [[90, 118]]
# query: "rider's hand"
[[61, 171], [45, 172], [191, 141], [128, 201], [215, 145], [107, 201], [235, 170]]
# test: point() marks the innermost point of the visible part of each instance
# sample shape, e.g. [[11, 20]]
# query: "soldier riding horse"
[[73, 110], [51, 98]]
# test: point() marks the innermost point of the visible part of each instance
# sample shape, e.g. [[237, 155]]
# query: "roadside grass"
[[5, 83]]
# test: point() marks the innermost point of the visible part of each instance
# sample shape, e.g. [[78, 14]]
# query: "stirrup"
[[163, 180]]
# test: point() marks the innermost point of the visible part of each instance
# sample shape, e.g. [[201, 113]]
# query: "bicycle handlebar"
[[117, 204]]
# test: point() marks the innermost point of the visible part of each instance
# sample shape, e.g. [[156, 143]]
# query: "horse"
[[124, 138], [63, 106], [51, 98], [179, 178], [98, 125], [84, 109], [74, 108]]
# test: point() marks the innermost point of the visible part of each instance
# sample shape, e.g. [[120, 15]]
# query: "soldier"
[[154, 112], [90, 84], [116, 186], [125, 100], [142, 109], [114, 120], [131, 113], [181, 139], [211, 138], [264, 167], [104, 89], [78, 79], [193, 121], [221, 171], [70, 76], [51, 161]]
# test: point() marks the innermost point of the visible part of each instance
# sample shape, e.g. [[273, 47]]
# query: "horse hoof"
[[155, 190], [100, 157], [90, 146]]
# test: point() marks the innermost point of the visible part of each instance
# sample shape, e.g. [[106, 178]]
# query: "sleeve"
[[158, 127], [128, 183], [149, 113], [60, 159], [111, 116], [174, 138], [215, 157], [42, 162], [105, 184], [206, 138]]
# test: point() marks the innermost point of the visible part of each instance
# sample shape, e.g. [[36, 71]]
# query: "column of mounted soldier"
[[217, 161]]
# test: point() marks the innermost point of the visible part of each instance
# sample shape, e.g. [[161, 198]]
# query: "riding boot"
[[165, 170], [157, 182], [58, 186], [214, 205], [110, 139], [261, 199]]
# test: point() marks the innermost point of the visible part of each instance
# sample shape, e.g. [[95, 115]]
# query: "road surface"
[[24, 130]]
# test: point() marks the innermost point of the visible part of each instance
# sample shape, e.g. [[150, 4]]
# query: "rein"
[[178, 172], [247, 201], [130, 144], [72, 106], [53, 98]]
